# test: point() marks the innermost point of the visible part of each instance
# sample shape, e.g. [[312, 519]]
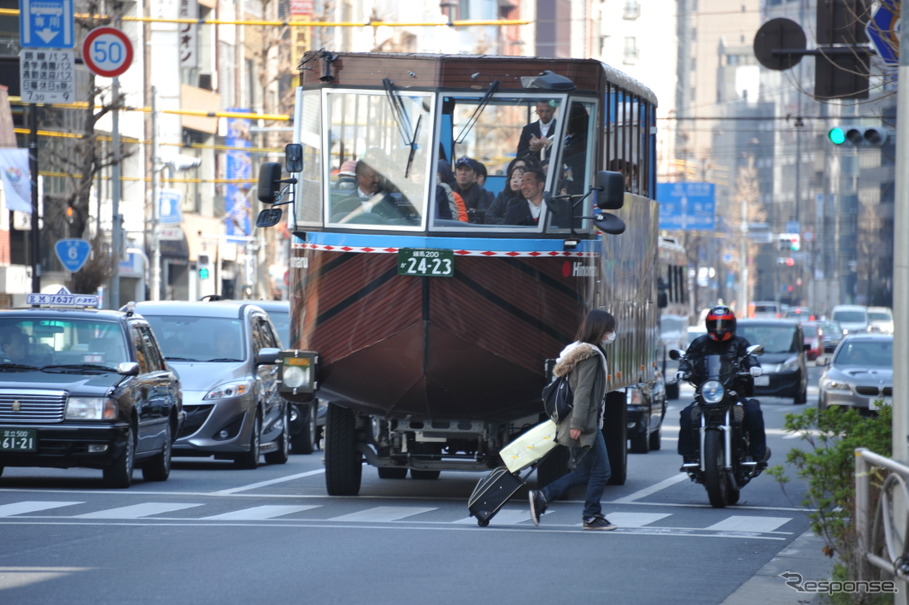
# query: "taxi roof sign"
[[63, 298]]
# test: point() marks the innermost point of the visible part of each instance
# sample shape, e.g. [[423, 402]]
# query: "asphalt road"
[[219, 535]]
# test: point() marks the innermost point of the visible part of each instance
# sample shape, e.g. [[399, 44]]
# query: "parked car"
[[82, 387], [813, 333], [880, 319], [860, 373], [852, 318], [784, 362], [307, 420], [226, 354]]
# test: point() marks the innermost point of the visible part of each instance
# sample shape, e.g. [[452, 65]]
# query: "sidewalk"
[[803, 557]]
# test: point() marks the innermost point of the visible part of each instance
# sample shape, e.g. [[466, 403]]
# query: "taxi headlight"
[[712, 392], [91, 408]]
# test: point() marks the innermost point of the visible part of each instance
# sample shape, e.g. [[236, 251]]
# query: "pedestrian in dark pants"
[[584, 361]]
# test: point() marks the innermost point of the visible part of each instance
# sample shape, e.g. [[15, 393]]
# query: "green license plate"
[[18, 440], [423, 262]]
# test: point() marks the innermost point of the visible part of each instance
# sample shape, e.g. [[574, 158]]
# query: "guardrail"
[[883, 531]]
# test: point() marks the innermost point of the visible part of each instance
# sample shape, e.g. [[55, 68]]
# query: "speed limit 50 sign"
[[107, 51]]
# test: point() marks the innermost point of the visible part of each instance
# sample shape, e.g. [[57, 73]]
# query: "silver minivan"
[[226, 355]]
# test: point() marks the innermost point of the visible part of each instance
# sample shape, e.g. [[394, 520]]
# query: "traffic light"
[[789, 242], [859, 136], [203, 264]]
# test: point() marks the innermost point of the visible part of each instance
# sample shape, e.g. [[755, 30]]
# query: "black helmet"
[[720, 323]]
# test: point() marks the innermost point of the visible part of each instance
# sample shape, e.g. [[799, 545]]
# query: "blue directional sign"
[[46, 24], [169, 206], [884, 31], [687, 206], [72, 253]]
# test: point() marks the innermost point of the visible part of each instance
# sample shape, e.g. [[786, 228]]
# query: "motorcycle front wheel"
[[715, 477]]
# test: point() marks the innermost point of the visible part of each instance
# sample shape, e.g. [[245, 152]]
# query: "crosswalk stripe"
[[137, 510], [635, 519], [752, 524], [383, 513], [506, 516], [259, 512], [31, 506]]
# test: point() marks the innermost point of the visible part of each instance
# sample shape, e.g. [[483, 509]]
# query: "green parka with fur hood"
[[585, 366]]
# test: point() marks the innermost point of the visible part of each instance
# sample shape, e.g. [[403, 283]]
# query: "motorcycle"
[[724, 465]]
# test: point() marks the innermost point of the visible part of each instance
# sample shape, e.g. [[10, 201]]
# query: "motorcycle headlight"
[[712, 392]]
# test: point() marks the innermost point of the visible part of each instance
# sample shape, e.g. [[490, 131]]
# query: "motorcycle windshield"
[[717, 367]]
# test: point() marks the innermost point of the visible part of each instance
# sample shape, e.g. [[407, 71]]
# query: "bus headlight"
[[298, 372]]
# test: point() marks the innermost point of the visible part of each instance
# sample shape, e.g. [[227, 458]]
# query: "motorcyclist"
[[721, 339]]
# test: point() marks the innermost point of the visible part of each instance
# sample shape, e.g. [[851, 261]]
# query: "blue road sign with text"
[[46, 24], [72, 253], [687, 206], [884, 31]]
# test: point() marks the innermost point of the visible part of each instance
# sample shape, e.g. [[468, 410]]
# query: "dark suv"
[[82, 387], [225, 353]]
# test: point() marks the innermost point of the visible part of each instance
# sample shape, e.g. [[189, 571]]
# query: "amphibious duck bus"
[[426, 331]]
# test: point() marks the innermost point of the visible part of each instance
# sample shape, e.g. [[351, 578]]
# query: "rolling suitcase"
[[491, 494]]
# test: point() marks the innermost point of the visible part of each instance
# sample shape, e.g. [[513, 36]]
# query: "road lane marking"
[[652, 489], [635, 519], [31, 506], [383, 513], [243, 488], [259, 512], [506, 516], [137, 510], [750, 524]]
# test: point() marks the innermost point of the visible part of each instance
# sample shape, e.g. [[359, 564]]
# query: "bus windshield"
[[407, 160]]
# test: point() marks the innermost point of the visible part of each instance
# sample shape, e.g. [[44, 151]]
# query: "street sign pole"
[[33, 170]]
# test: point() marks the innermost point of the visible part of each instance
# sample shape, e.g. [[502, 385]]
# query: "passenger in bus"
[[475, 197], [574, 154], [530, 209], [369, 203], [512, 190], [449, 205], [536, 137]]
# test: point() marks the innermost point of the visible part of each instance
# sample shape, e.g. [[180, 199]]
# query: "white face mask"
[[610, 338]]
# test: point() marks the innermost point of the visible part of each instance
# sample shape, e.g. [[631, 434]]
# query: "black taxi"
[[84, 387]]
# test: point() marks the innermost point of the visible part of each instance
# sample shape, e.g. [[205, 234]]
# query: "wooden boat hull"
[[466, 347]]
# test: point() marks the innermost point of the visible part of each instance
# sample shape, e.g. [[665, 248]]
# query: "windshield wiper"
[[224, 359], [168, 358], [493, 86], [79, 367], [15, 367], [397, 109]]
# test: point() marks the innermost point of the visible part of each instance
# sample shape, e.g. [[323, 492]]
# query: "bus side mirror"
[[610, 189], [269, 182], [293, 158]]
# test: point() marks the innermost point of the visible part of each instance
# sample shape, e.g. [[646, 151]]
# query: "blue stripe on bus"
[[368, 240]]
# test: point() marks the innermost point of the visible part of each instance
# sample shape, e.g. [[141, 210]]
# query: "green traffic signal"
[[837, 135], [203, 272]]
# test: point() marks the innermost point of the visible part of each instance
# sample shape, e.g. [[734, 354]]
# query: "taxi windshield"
[[61, 341]]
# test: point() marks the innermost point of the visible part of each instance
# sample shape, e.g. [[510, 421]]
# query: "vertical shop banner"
[[17, 183], [239, 167]]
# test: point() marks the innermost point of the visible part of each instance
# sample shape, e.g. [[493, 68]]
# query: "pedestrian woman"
[[584, 361]]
